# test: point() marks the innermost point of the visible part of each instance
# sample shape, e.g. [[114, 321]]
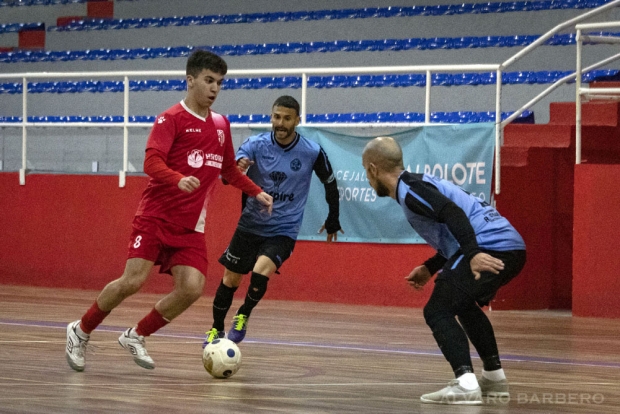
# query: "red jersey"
[[193, 146]]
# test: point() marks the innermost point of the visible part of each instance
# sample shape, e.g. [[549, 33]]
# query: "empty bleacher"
[[157, 35]]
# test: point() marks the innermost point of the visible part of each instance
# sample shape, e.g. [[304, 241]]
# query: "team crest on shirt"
[[195, 158], [295, 164], [221, 136], [161, 120]]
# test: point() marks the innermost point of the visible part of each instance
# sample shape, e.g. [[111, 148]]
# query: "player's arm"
[[444, 210], [323, 169], [435, 263], [422, 274], [231, 175], [155, 167], [244, 161], [158, 144], [426, 200]]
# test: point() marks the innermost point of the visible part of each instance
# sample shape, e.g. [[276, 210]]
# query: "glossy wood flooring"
[[297, 358]]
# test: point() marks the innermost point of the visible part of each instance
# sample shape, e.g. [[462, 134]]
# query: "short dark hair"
[[203, 59], [287, 102]]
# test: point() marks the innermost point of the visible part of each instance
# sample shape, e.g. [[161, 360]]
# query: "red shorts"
[[167, 244]]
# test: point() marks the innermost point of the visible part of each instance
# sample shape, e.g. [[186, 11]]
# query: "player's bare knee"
[[188, 294], [131, 282], [191, 289], [129, 286], [232, 279]]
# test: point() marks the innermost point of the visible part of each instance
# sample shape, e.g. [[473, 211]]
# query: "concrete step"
[[596, 113], [514, 156], [538, 135]]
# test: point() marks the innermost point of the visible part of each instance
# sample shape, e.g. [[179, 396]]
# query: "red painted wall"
[[72, 231], [596, 260], [527, 201]]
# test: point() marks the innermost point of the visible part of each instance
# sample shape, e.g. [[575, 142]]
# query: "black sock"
[[256, 291], [491, 363], [221, 303]]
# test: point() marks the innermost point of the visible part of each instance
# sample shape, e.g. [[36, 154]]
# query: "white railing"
[[591, 93], [428, 70], [569, 23]]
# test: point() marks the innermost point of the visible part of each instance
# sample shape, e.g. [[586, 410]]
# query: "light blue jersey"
[[285, 174], [422, 198]]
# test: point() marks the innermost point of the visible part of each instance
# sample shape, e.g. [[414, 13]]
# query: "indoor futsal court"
[[516, 102], [333, 359]]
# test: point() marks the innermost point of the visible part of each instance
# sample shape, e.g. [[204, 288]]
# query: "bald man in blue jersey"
[[281, 162], [478, 251]]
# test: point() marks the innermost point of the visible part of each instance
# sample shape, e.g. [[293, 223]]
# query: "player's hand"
[[243, 164], [188, 184], [267, 201], [419, 277], [483, 262], [330, 236]]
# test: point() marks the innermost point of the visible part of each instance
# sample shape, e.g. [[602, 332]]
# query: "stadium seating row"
[[280, 48], [18, 27], [357, 117], [362, 13], [438, 79], [18, 3]]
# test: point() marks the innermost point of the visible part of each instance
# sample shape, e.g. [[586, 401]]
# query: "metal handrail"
[[499, 130], [304, 72], [579, 91], [554, 86]]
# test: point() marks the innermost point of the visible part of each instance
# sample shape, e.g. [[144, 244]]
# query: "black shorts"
[[244, 249], [458, 272]]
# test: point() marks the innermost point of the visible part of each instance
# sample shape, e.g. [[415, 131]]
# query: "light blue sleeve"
[[246, 150]]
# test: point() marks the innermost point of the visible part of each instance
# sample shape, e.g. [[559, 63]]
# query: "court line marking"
[[505, 357]]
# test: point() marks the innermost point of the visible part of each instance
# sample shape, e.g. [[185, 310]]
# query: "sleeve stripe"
[[420, 199]]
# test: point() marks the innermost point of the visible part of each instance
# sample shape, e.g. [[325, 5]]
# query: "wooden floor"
[[297, 358]]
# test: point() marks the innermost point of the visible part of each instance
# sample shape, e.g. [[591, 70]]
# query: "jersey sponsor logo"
[[278, 178], [215, 157], [213, 164], [195, 158], [161, 119], [221, 136], [193, 130], [296, 164]]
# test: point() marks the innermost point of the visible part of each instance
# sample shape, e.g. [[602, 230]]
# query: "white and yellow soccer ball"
[[221, 358]]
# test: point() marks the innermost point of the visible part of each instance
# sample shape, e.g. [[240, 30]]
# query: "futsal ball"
[[221, 358]]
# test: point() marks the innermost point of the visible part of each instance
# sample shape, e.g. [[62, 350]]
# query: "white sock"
[[83, 335], [496, 375], [468, 381]]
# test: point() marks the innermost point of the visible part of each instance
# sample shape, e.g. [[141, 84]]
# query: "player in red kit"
[[188, 148]]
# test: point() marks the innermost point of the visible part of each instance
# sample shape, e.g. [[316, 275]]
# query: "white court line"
[[505, 358], [238, 383]]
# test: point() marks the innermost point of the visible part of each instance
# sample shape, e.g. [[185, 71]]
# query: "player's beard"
[[382, 190], [283, 133]]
